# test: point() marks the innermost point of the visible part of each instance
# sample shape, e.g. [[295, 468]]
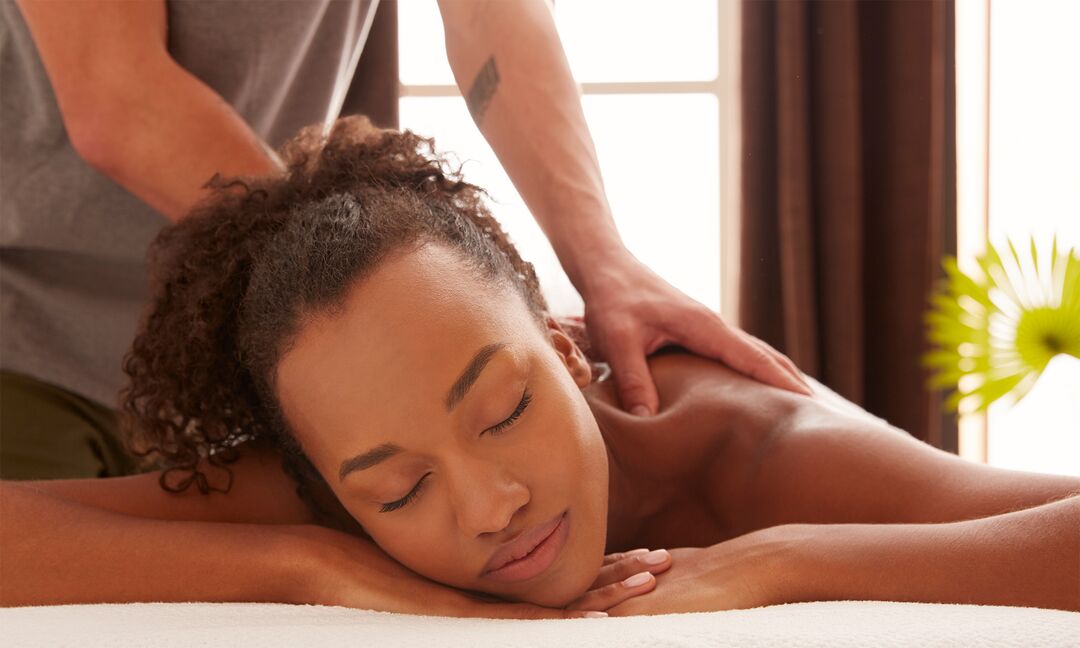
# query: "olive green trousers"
[[50, 433]]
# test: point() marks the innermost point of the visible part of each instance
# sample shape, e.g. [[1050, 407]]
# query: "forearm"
[[510, 65], [57, 552], [1023, 558], [164, 141], [130, 110]]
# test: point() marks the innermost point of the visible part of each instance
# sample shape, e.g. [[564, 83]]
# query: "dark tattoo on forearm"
[[482, 90]]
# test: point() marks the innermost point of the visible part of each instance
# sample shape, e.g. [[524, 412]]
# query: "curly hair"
[[233, 282]]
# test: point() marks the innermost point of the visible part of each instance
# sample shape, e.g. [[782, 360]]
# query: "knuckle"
[[619, 329], [622, 570], [611, 593], [631, 382]]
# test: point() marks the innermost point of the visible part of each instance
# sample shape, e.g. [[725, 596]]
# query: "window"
[[1018, 147], [657, 97]]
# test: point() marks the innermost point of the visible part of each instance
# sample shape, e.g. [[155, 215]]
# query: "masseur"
[[117, 113]]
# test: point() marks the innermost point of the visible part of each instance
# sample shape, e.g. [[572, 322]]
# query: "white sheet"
[[827, 624]]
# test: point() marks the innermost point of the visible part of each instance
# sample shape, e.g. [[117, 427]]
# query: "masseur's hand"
[[622, 577], [749, 571], [631, 312]]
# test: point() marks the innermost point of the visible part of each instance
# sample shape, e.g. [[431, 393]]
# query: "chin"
[[573, 578]]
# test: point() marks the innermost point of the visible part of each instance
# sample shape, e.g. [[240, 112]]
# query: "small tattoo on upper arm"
[[482, 90]]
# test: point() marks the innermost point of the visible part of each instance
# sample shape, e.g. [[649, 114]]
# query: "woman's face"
[[453, 428]]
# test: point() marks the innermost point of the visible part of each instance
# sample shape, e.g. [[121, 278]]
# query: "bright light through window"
[[656, 127], [1033, 189], [610, 41]]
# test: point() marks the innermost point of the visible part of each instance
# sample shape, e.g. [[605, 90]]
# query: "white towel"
[[825, 624]]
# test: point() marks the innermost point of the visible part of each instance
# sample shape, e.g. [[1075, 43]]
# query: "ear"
[[571, 355]]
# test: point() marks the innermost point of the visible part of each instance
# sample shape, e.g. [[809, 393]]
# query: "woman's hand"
[[344, 570], [622, 577], [630, 312], [745, 572]]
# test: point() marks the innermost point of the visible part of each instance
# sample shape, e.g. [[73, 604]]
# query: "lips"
[[521, 549]]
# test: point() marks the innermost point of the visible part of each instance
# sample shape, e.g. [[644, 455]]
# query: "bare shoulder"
[[685, 380], [711, 424]]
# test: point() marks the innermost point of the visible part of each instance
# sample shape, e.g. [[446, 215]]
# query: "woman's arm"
[[1026, 558], [260, 493], [56, 551], [824, 466]]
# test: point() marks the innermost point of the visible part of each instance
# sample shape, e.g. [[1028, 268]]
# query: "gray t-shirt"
[[72, 242]]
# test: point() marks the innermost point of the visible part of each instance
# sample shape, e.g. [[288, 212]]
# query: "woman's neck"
[[633, 499], [665, 480]]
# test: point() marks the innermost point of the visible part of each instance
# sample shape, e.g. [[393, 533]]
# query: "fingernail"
[[636, 552], [637, 579], [655, 557], [640, 410], [595, 615]]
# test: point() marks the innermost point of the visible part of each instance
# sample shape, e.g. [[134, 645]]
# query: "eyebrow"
[[472, 372], [368, 459], [457, 392]]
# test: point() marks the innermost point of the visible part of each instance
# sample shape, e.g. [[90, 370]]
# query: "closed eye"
[[526, 398], [404, 501]]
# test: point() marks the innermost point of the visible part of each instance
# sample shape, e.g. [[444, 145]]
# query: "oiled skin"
[[726, 455]]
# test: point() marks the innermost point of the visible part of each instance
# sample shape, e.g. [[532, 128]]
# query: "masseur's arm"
[[130, 110], [510, 66], [1026, 558]]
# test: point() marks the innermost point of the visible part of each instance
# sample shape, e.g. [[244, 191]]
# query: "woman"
[[365, 321]]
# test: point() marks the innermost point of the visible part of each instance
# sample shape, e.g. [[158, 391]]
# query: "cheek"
[[427, 545], [576, 475]]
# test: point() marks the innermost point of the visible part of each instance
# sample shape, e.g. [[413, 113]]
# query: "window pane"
[[642, 40], [447, 119], [1035, 189], [661, 175], [605, 40], [1040, 433], [421, 47], [660, 155]]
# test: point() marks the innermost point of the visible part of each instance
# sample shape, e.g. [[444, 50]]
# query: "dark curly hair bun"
[[231, 281]]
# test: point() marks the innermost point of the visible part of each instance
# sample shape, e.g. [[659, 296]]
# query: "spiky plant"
[[995, 332]]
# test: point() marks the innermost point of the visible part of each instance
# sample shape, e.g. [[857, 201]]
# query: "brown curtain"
[[848, 190], [374, 89]]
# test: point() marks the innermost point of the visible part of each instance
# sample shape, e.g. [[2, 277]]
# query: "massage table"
[[825, 624]]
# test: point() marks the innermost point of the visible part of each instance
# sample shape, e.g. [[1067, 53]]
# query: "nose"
[[486, 496]]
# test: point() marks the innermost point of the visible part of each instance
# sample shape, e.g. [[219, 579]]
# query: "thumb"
[[634, 382]]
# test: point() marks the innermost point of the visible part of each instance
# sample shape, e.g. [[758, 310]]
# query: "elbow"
[[95, 131], [102, 109]]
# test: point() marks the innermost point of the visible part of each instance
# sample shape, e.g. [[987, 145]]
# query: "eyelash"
[[404, 501], [526, 398]]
